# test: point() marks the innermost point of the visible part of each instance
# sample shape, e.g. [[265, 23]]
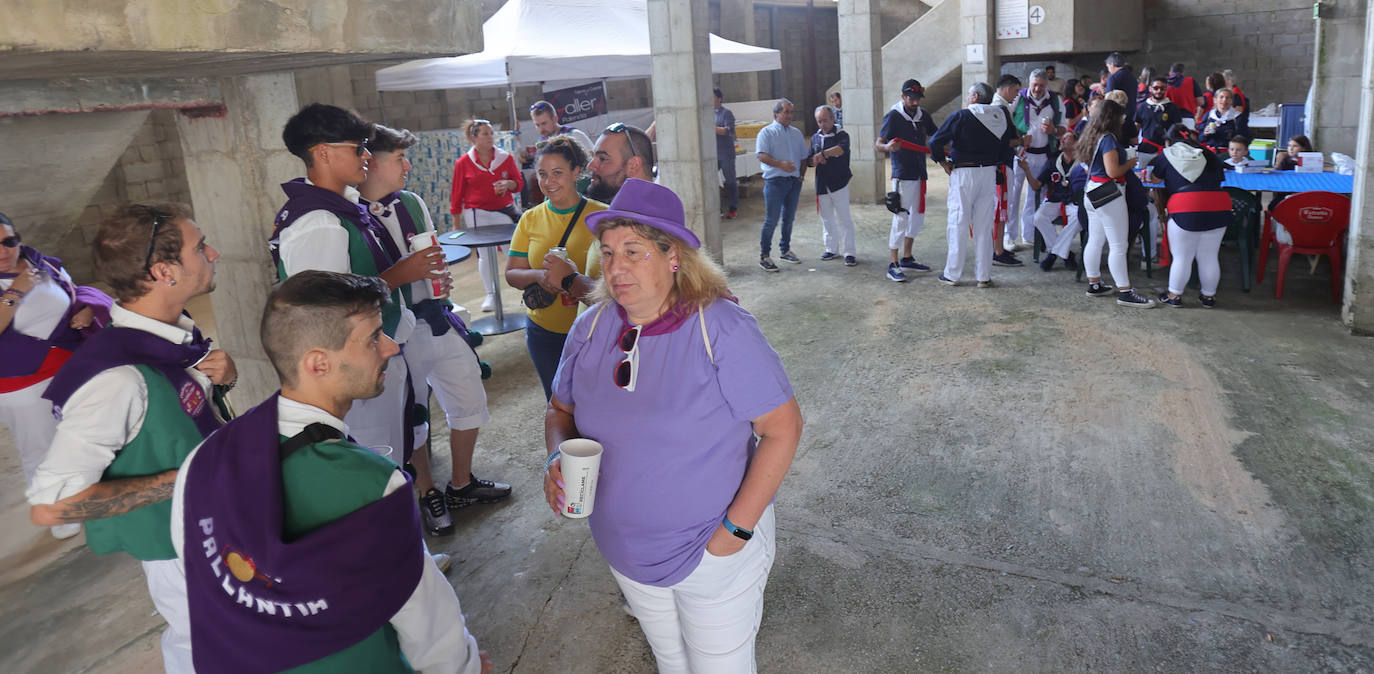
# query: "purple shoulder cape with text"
[[24, 353], [302, 198], [113, 347], [260, 603]]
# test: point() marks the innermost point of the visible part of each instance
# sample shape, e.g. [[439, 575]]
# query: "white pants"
[[972, 198], [707, 622], [907, 225], [1186, 246], [31, 422], [837, 225], [1057, 242], [380, 421], [167, 586], [476, 217], [446, 364], [1021, 215], [1107, 226]]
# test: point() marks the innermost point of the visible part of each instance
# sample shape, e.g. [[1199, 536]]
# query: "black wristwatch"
[[568, 281], [739, 532]]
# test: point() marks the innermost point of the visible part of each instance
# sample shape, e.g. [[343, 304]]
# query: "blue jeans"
[[779, 194], [546, 349], [726, 164]]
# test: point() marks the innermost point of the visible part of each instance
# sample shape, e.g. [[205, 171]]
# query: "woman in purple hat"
[[43, 318], [698, 423]]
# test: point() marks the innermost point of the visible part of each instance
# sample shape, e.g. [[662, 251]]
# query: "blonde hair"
[[1117, 96], [699, 281]]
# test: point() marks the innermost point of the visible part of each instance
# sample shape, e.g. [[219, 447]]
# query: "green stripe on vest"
[[321, 483], [168, 434], [360, 262]]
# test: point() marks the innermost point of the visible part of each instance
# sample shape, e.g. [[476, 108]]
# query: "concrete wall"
[[784, 28], [1335, 119]]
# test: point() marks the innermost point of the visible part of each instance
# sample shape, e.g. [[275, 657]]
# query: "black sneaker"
[[985, 284], [1070, 262], [894, 273], [476, 491], [434, 512], [948, 282], [789, 256], [1099, 289], [1166, 299], [1006, 259], [828, 256], [1048, 263], [913, 265], [1130, 298], [849, 261], [767, 263], [1207, 301]]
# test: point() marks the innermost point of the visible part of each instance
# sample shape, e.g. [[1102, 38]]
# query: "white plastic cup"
[[581, 463], [420, 242]]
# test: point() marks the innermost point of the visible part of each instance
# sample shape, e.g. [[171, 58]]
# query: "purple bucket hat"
[[650, 204]]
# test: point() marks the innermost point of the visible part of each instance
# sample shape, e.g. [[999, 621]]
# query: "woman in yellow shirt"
[[534, 258]]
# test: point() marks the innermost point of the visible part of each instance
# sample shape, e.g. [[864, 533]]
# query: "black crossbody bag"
[[536, 297], [1105, 193]]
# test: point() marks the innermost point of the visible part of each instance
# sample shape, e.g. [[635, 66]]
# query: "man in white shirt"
[[246, 499], [135, 399]]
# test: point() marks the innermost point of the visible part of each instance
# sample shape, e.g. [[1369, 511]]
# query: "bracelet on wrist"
[[549, 461], [13, 291]]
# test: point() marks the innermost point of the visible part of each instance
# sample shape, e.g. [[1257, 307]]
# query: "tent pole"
[[510, 99], [381, 107]]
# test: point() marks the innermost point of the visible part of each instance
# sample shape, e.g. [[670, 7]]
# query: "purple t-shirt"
[[677, 447]]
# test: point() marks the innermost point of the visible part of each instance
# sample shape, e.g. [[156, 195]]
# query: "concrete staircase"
[[929, 50]]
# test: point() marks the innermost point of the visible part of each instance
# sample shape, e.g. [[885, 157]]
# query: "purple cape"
[[302, 198], [437, 314], [24, 353], [259, 603], [112, 347]]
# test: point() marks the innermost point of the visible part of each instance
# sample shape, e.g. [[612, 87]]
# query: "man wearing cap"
[[980, 138], [725, 153], [903, 135], [302, 548], [781, 149]]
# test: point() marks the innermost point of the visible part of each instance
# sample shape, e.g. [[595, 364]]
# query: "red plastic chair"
[[1318, 222]]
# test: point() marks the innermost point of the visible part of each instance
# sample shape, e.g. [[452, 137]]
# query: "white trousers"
[[476, 217], [1106, 226], [708, 621], [380, 421], [1057, 242], [971, 201], [167, 586], [907, 225], [446, 364], [31, 422], [1186, 246], [1021, 212], [837, 225]]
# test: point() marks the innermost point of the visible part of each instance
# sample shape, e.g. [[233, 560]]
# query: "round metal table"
[[454, 253], [488, 236]]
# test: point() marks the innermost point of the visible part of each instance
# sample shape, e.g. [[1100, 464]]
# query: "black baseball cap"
[[913, 89]]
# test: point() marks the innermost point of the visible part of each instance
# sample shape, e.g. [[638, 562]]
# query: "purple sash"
[[24, 353], [302, 198], [437, 314], [112, 347], [259, 603]]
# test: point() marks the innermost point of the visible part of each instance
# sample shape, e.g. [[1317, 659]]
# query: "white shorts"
[[448, 365]]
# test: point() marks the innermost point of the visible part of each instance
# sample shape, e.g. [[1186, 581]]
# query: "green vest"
[[321, 483], [360, 262], [168, 434]]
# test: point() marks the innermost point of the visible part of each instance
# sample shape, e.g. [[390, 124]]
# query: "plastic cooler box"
[[1262, 149]]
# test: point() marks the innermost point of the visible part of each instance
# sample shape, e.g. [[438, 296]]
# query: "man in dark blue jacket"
[[980, 138], [829, 154]]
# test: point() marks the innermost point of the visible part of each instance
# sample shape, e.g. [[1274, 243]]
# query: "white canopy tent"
[[552, 42]]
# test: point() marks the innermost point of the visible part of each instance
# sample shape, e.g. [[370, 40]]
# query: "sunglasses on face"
[[10, 241], [359, 147], [627, 372]]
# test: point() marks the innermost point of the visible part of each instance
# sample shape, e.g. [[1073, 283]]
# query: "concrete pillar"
[[976, 24], [1334, 118], [683, 111], [737, 23], [861, 84], [234, 166], [1358, 311]]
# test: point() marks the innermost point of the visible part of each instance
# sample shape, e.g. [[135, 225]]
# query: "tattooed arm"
[[106, 499]]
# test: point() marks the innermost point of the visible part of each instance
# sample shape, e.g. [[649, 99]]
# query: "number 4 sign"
[[1037, 15]]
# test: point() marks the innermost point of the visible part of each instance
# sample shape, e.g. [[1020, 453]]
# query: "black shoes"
[[476, 491]]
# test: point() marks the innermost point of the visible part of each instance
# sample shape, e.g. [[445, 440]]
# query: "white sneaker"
[[443, 561], [65, 531], [489, 304]]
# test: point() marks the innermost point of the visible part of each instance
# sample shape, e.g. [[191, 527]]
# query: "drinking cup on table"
[[580, 462], [420, 242]]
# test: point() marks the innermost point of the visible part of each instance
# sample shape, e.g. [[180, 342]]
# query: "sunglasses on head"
[[158, 218], [553, 142], [10, 241], [622, 127], [627, 371], [541, 107]]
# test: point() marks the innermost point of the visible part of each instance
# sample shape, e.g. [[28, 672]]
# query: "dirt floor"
[[1019, 478]]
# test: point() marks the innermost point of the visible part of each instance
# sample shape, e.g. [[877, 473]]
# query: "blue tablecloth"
[[1285, 181]]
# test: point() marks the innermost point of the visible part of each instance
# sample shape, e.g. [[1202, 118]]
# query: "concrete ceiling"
[[20, 65]]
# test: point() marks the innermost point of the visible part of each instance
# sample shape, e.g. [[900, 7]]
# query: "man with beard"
[[299, 542], [134, 400], [621, 152]]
